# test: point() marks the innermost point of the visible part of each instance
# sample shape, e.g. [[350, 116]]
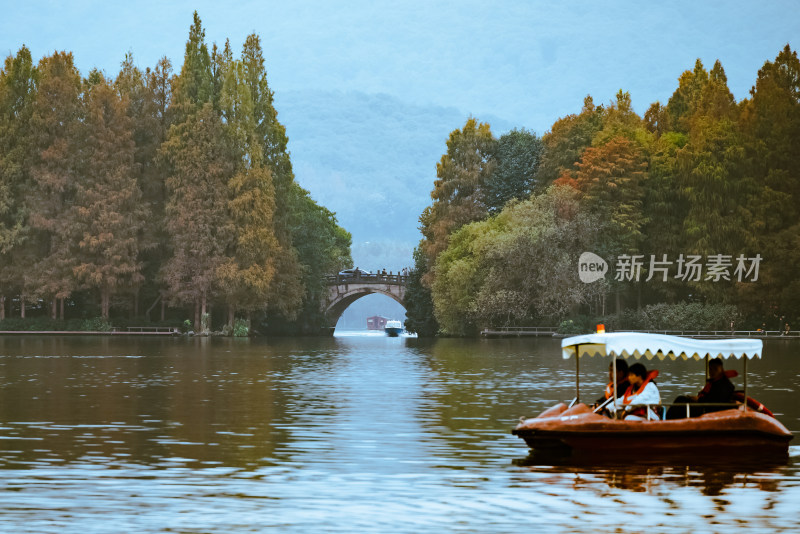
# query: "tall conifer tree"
[[107, 216], [17, 91], [57, 122]]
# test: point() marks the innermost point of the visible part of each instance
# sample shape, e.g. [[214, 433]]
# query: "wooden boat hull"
[[578, 431]]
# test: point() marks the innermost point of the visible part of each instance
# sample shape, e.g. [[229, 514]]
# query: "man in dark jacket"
[[718, 389]]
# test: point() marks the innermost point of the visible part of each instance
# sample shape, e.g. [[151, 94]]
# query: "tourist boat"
[[578, 430], [393, 328]]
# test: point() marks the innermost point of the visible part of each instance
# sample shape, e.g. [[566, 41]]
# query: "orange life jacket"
[[629, 394], [626, 399]]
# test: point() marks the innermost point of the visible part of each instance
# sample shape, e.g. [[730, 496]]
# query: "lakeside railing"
[[521, 331], [366, 278]]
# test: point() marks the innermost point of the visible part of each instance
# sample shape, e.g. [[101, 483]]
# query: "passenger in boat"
[[718, 389], [622, 381], [643, 390]]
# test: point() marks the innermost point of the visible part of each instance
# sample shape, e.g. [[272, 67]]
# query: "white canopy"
[[626, 344]]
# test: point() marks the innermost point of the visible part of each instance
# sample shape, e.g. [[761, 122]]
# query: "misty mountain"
[[371, 158]]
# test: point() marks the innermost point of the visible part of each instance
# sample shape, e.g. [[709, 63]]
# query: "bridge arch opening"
[[351, 313]]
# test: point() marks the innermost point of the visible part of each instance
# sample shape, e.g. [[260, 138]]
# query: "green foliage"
[[517, 268], [702, 175], [691, 316], [199, 157], [241, 328], [96, 324], [517, 157], [581, 324], [420, 318]]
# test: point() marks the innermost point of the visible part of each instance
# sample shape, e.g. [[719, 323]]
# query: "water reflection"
[[343, 434]]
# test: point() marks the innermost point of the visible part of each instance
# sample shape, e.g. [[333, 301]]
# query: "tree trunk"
[[104, 302], [22, 306], [61, 311], [163, 310], [231, 315], [203, 311], [2, 307], [153, 305], [54, 308], [197, 315], [136, 304]]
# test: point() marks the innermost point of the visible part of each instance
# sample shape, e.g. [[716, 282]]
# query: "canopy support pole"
[[745, 382], [577, 373], [614, 390]]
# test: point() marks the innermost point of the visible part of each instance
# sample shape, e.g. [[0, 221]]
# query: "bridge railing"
[[366, 278]]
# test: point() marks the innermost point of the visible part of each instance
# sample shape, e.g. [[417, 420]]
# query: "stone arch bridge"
[[344, 289]]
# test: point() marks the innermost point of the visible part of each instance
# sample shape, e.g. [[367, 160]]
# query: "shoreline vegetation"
[[690, 215], [151, 196]]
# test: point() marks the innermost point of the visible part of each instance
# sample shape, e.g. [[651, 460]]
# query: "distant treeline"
[[696, 202], [155, 195]]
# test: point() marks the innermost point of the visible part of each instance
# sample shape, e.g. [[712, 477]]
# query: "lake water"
[[356, 433]]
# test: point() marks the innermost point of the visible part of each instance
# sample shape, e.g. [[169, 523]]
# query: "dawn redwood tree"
[[147, 94], [194, 86], [200, 166], [288, 290], [246, 275], [771, 124], [17, 91], [56, 123], [685, 101], [566, 141], [609, 178], [106, 213], [458, 193]]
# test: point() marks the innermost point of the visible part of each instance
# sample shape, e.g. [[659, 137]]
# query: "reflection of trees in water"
[[142, 402]]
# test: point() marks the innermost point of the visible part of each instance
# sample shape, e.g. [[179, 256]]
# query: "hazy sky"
[[526, 62]]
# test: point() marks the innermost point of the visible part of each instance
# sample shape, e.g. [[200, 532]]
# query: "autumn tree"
[[56, 121], [17, 91], [106, 214], [200, 166], [288, 290], [246, 275], [566, 141], [458, 194], [609, 178], [148, 94]]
